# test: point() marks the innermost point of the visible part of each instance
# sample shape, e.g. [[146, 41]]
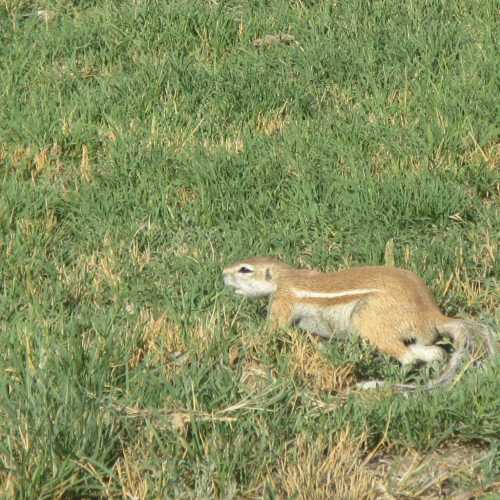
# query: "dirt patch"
[[451, 472]]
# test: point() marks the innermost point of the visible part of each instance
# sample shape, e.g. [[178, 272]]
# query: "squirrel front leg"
[[279, 314]]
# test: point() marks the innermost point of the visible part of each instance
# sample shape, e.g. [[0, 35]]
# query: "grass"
[[145, 144]]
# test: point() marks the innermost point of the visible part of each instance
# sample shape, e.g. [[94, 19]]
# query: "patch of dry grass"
[[160, 339], [308, 364], [489, 154], [255, 375], [186, 196], [233, 144], [470, 286], [272, 123], [130, 477], [85, 166], [430, 476], [324, 469]]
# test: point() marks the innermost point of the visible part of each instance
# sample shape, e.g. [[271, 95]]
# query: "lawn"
[[146, 144]]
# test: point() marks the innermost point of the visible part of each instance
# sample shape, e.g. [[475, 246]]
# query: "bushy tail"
[[470, 339]]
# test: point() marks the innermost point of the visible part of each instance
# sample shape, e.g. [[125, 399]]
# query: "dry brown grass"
[[232, 144], [273, 123], [129, 476], [278, 39], [163, 342], [255, 375], [460, 283], [103, 267], [247, 356], [306, 363], [140, 258], [323, 468], [490, 154], [8, 478], [315, 470], [439, 474], [160, 340], [186, 196], [318, 374], [85, 167], [46, 161], [380, 159], [21, 153], [341, 469]]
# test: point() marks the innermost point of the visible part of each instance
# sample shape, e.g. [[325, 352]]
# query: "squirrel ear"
[[269, 276]]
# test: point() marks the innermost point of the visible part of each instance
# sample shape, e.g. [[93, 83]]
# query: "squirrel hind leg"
[[419, 352], [406, 355]]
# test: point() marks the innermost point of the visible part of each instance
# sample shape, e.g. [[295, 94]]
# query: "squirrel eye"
[[244, 270]]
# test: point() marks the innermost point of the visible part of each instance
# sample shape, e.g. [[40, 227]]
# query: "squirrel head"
[[254, 277]]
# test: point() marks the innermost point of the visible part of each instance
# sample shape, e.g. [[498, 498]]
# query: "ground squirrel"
[[391, 308]]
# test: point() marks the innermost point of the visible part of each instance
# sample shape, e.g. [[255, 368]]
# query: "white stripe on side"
[[305, 294]]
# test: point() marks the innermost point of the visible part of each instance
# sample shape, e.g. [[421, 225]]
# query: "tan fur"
[[391, 308]]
